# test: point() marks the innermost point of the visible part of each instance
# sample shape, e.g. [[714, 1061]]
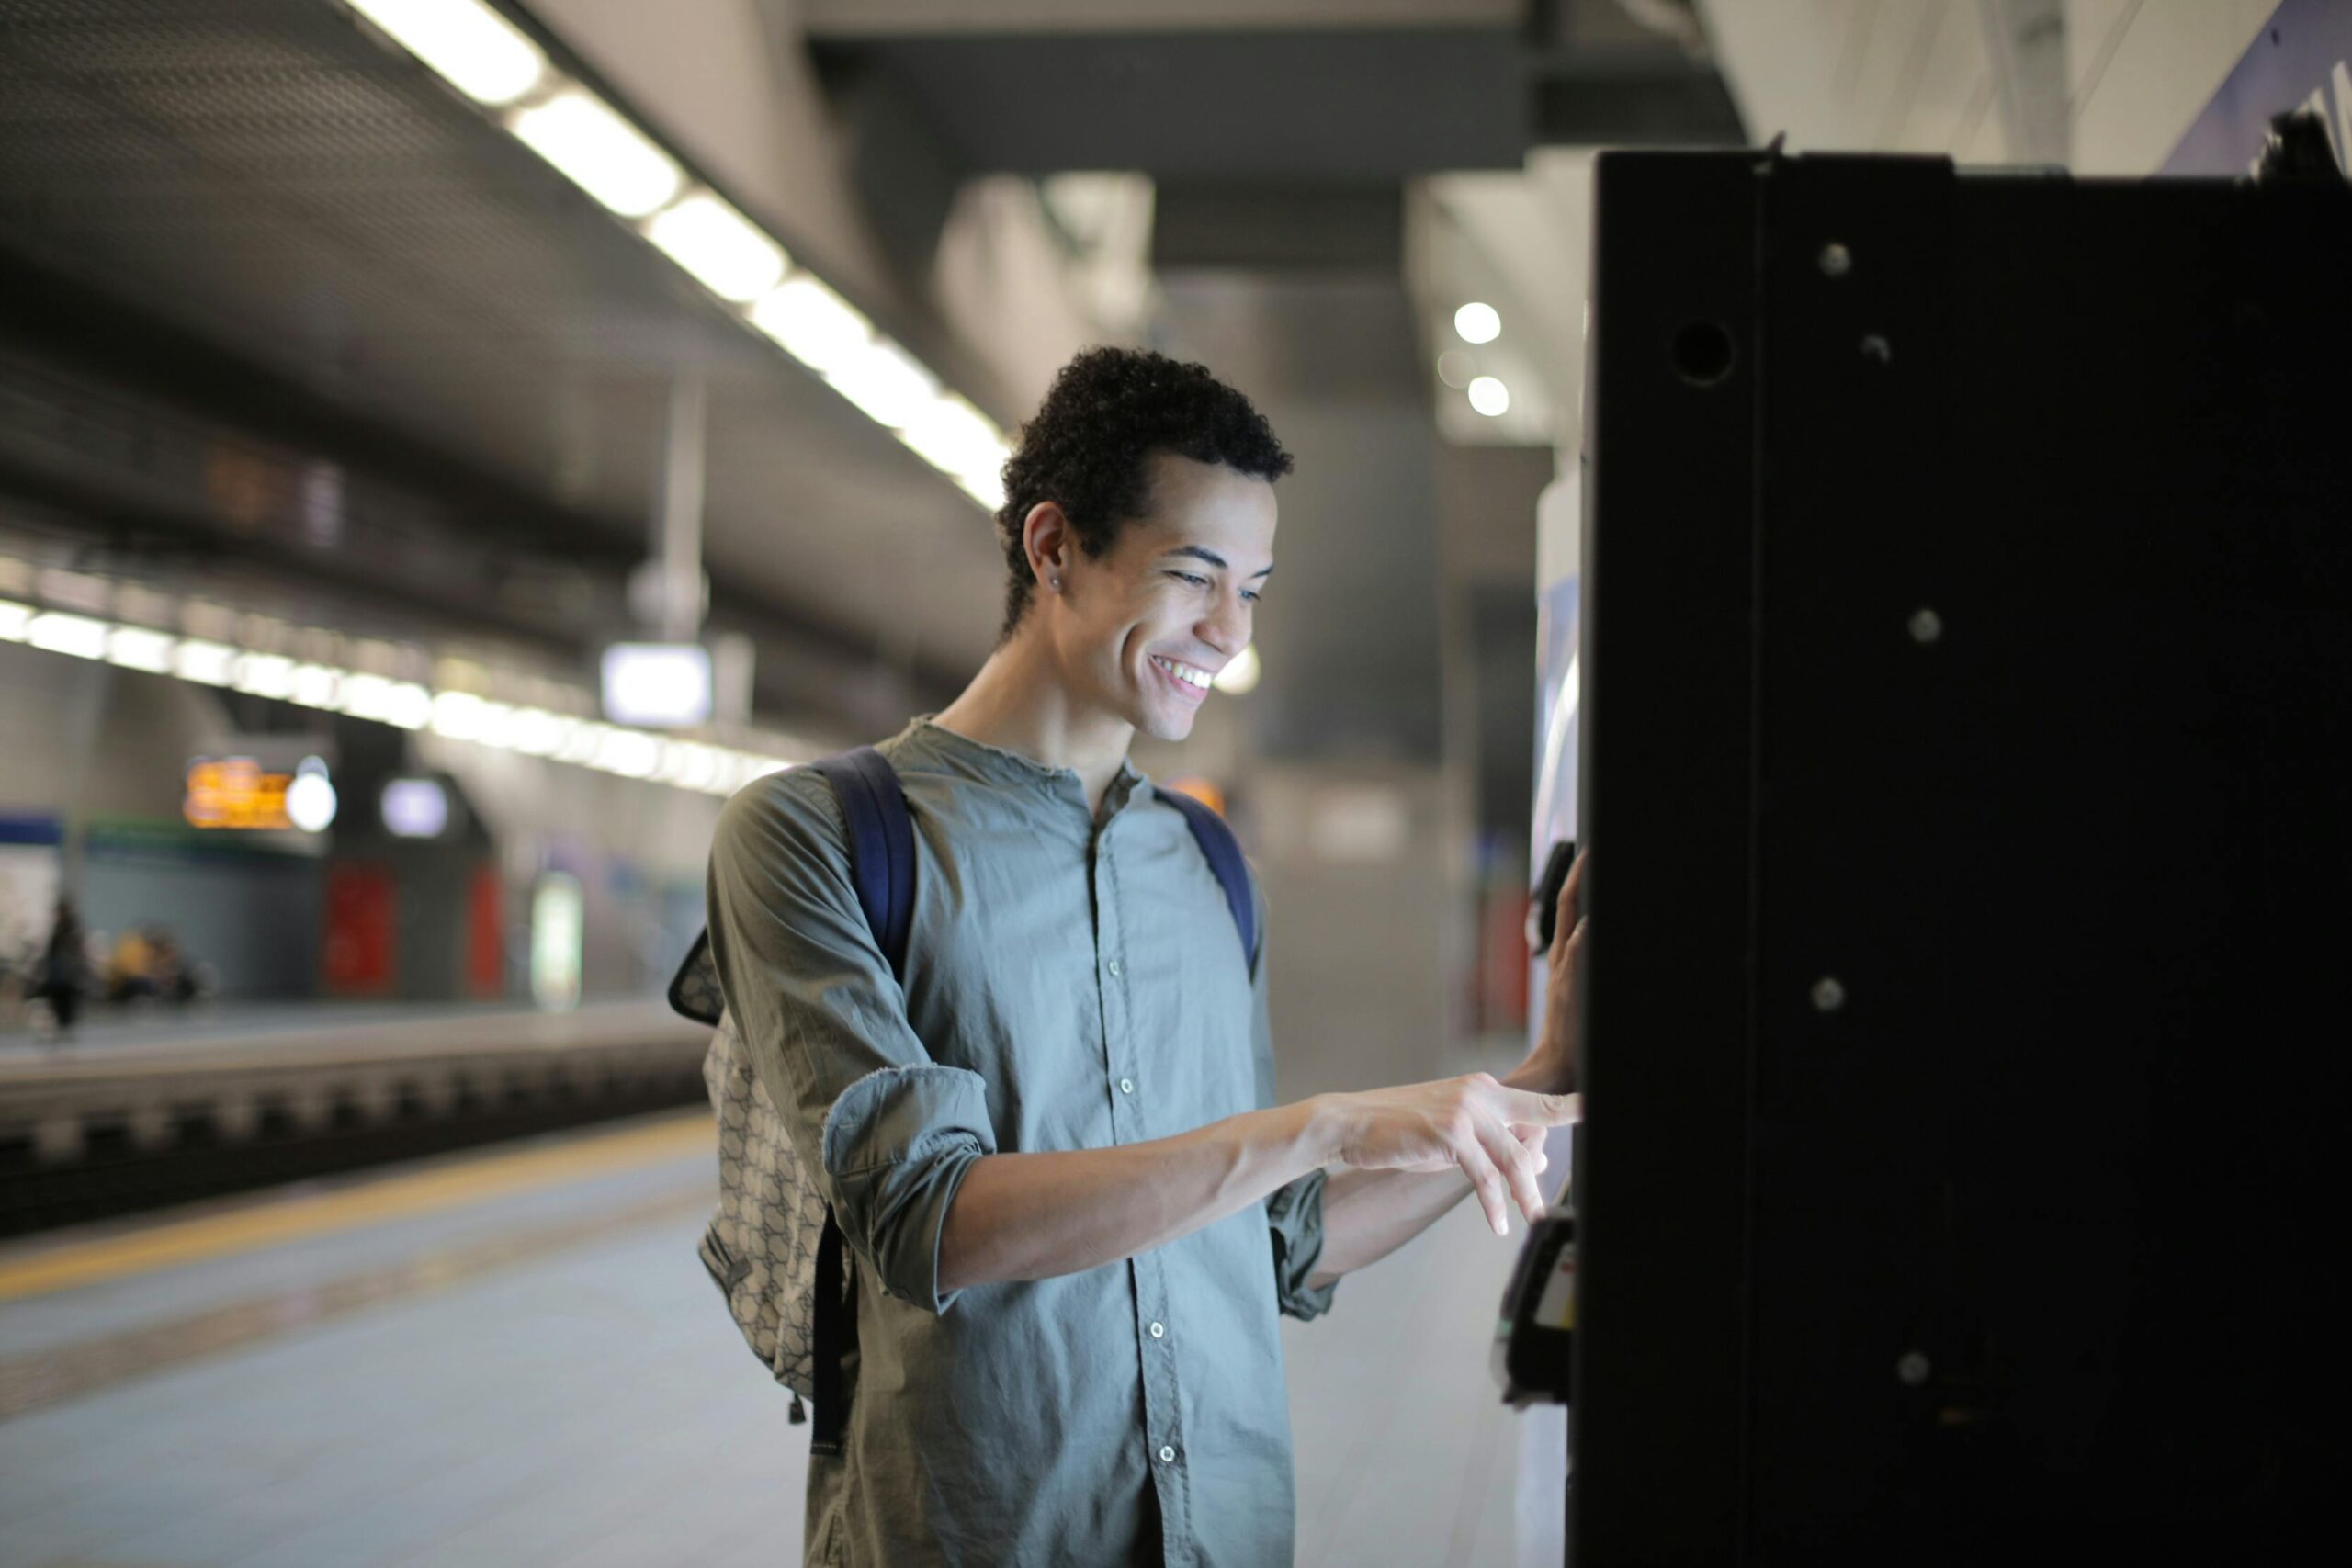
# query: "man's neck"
[[1019, 703]]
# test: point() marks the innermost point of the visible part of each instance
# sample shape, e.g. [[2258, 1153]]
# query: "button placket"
[[1163, 1406], [1118, 1045]]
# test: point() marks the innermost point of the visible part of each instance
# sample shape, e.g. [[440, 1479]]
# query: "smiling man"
[[1074, 1210]]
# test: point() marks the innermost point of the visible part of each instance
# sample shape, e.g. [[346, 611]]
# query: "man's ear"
[[1046, 536]]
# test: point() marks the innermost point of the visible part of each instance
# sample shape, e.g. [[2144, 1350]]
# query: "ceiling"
[[249, 227], [275, 191]]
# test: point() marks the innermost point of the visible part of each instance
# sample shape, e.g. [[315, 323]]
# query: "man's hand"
[[1552, 1065], [1493, 1134]]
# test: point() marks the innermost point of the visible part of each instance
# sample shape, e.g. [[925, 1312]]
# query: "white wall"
[[1916, 75]]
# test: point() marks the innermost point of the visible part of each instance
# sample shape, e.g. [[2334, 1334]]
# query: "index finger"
[[1525, 1107]]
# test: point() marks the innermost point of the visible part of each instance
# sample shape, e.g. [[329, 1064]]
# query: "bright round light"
[[310, 797], [1477, 323], [1240, 677], [1488, 395]]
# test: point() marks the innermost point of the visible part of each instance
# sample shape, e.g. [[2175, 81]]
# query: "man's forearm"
[[1032, 1216], [1367, 1214]]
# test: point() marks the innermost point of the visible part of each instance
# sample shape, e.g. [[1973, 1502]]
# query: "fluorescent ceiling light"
[[986, 489], [386, 701], [136, 648], [479, 52], [1477, 323], [1489, 395], [719, 245], [497, 727], [602, 153], [537, 732], [631, 753], [315, 685], [264, 675], [582, 743], [15, 620], [950, 434], [457, 715], [206, 663], [1239, 677], [886, 383], [60, 633], [813, 324]]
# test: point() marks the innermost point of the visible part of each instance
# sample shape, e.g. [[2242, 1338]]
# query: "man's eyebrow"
[[1200, 552]]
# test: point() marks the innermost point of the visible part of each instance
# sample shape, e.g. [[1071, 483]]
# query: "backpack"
[[772, 1246]]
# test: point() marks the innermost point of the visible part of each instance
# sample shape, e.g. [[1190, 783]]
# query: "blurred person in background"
[[1074, 1210], [62, 973]]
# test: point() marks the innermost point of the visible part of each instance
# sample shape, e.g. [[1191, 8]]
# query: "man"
[[1073, 1208]]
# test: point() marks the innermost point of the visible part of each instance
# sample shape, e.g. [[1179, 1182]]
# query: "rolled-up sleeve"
[[1295, 1213], [825, 1022]]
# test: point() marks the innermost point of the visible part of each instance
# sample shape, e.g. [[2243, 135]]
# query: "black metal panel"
[[1667, 688], [2046, 771]]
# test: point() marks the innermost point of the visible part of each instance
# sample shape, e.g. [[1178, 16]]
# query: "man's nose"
[[1226, 628]]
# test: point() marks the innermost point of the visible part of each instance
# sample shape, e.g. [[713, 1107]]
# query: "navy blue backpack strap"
[[881, 845], [881, 867], [1223, 852]]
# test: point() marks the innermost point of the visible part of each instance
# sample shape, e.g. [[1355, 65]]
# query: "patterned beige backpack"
[[771, 1245]]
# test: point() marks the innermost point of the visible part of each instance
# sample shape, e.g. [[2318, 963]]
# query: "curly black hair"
[[1090, 443]]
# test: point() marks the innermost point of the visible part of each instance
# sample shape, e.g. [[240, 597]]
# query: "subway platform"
[[512, 1357]]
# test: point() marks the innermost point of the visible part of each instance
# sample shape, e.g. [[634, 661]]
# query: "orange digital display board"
[[233, 792]]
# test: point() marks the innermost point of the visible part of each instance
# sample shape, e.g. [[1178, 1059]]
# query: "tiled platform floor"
[[549, 1377]]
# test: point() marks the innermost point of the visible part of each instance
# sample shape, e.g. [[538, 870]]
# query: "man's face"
[[1170, 603]]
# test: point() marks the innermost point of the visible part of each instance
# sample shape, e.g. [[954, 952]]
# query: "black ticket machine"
[[1966, 686]]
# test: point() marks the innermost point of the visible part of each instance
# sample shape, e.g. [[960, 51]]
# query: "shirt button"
[[1115, 967], [1167, 1454], [1126, 1086], [1157, 1329]]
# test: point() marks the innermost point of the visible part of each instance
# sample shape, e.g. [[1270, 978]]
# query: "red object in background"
[[486, 932], [356, 958], [1502, 961]]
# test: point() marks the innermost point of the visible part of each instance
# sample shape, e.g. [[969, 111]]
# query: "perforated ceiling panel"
[[271, 177]]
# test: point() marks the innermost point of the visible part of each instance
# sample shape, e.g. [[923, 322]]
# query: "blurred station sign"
[[238, 792], [662, 686]]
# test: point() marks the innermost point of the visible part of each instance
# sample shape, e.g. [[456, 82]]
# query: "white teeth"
[[1183, 672]]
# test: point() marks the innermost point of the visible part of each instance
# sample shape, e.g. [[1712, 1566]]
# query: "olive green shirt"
[[1071, 983]]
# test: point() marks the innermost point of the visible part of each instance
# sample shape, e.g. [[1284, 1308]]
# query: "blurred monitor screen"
[[415, 808], [663, 684]]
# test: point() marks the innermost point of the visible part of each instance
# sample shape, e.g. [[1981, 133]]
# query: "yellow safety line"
[[400, 1197]]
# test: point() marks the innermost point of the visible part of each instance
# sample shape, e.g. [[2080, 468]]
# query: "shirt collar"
[[978, 761]]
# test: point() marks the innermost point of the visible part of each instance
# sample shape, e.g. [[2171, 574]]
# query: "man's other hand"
[[1552, 1067]]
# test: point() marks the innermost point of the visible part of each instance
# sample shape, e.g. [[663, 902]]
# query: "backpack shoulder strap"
[[881, 868], [881, 845], [1223, 852]]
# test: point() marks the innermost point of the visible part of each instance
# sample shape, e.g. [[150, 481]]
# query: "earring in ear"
[[1058, 585]]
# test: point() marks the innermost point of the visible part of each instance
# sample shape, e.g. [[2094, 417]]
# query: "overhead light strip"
[[484, 56], [693, 765]]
